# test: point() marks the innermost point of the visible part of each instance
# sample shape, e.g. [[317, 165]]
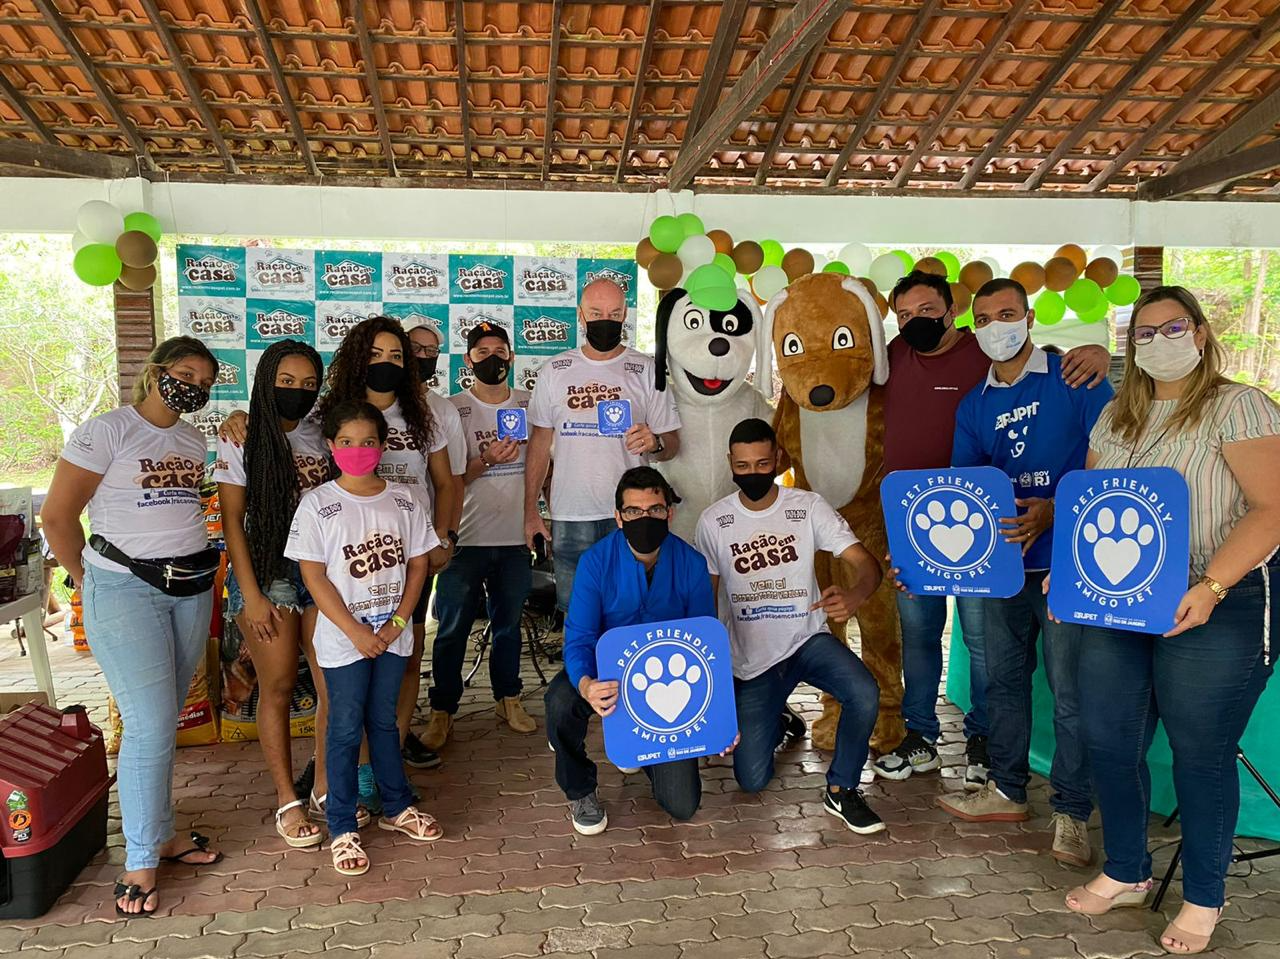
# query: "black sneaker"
[[914, 754], [415, 754], [303, 785], [793, 725], [975, 773], [849, 805]]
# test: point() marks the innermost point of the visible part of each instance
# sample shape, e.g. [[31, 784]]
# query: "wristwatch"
[[1215, 587], [452, 536], [659, 446]]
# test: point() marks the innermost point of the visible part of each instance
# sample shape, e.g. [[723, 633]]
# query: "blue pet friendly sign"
[[944, 531], [1121, 548], [675, 691]]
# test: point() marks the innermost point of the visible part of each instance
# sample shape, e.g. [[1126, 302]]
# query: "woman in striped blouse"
[[1202, 678]]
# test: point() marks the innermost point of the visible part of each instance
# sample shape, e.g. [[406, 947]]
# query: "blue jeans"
[[827, 663], [287, 592], [1012, 626], [504, 576], [923, 620], [148, 645], [569, 540], [362, 703], [1203, 685]]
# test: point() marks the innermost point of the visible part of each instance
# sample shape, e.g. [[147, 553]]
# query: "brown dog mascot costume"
[[827, 332]]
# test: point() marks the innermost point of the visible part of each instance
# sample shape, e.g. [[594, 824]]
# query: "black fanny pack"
[[176, 576]]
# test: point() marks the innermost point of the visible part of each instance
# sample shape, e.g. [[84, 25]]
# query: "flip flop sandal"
[[347, 846], [415, 824], [199, 843], [1091, 904], [132, 892], [297, 842], [316, 811]]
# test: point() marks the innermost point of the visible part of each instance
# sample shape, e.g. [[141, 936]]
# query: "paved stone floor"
[[767, 875]]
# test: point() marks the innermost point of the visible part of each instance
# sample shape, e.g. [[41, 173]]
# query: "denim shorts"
[[288, 592]]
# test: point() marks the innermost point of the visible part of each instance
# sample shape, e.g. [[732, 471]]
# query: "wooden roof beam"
[[553, 74], [464, 104], [55, 22], [290, 108], [719, 56], [23, 106], [1258, 119], [375, 89], [1079, 43], [906, 50], [637, 88], [807, 24], [788, 113], [1248, 162], [55, 158]]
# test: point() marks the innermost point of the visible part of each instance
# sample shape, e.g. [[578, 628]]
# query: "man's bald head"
[[603, 300]]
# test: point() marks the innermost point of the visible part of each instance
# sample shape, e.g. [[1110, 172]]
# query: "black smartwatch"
[[453, 537]]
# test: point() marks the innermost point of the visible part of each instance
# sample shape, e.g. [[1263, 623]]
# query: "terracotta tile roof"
[[972, 66]]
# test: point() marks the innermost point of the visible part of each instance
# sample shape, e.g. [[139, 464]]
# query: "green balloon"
[[690, 224], [952, 263], [1050, 308], [908, 262], [1124, 290], [725, 262], [965, 319], [98, 264], [666, 234], [772, 252], [144, 222], [835, 266], [1098, 311], [1083, 295]]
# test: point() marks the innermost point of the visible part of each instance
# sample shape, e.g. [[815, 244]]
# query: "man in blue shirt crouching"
[[640, 573]]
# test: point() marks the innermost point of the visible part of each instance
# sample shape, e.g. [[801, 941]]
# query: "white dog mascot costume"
[[707, 354]]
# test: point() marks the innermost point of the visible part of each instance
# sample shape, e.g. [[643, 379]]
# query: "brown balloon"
[[1059, 273], [1030, 275], [665, 271], [797, 263], [138, 278], [961, 296], [885, 306], [748, 257], [974, 274], [931, 264], [722, 240], [136, 249], [1075, 254], [646, 252], [1102, 271]]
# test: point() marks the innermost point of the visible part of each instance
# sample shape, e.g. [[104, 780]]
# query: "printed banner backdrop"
[[1121, 553], [240, 300], [675, 691], [944, 531]]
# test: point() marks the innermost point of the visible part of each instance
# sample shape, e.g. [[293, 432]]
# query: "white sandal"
[[297, 842], [347, 846], [316, 811], [414, 823]]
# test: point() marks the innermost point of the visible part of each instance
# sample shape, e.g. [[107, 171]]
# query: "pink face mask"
[[357, 460]]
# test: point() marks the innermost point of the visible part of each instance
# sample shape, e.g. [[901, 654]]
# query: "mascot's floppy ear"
[[875, 320], [665, 306], [764, 345]]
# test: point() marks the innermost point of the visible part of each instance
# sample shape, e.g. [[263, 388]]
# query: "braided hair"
[[272, 488], [350, 366]]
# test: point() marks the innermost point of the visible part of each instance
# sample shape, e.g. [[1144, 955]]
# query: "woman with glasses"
[[1202, 678]]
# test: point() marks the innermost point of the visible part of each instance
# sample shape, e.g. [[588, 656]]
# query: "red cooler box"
[[53, 799]]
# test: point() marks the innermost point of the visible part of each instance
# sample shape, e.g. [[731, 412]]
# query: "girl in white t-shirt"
[[362, 545], [259, 484], [146, 576]]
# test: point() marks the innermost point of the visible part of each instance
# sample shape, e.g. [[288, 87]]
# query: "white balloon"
[[856, 257], [996, 268], [78, 240], [100, 222], [1111, 253], [696, 251], [886, 270], [769, 281]]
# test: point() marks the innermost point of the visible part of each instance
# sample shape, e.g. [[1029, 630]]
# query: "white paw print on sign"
[[952, 541], [510, 420], [613, 414], [667, 699], [1117, 556]]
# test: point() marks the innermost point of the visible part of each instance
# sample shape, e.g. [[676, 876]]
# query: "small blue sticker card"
[[1121, 548], [944, 531], [614, 416], [675, 691], [512, 424]]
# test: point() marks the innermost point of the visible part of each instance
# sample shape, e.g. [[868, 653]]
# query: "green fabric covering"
[[1258, 814]]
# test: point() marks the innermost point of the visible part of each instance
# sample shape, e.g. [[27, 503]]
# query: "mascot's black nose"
[[718, 347], [821, 395]]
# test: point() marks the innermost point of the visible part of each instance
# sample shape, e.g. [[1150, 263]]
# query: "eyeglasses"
[[1170, 329], [635, 512], [1004, 316], [426, 352]]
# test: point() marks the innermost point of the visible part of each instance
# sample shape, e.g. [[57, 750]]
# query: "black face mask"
[[293, 403], [492, 370], [646, 534], [754, 486], [604, 335], [180, 396], [384, 377], [427, 367], [924, 333]]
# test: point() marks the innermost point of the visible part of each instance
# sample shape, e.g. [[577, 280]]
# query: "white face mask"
[[1002, 341], [1167, 360]]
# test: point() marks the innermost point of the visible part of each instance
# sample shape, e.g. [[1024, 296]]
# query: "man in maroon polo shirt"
[[932, 365]]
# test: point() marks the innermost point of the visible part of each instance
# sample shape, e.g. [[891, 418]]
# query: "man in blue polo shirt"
[[639, 573], [1026, 421]]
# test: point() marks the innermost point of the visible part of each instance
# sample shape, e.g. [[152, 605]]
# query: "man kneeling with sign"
[[641, 573]]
